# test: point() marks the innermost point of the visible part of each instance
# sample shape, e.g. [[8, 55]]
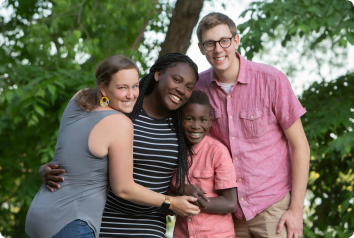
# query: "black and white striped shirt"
[[155, 159]]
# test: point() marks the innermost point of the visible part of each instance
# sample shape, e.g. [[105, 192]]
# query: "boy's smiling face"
[[196, 122]]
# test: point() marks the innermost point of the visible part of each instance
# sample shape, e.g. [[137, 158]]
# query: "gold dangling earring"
[[104, 102]]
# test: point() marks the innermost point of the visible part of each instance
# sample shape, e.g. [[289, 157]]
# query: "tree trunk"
[[185, 16]]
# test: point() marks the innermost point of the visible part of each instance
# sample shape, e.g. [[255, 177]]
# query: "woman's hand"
[[182, 206], [197, 192], [49, 173]]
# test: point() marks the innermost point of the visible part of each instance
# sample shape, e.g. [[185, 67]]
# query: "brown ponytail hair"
[[89, 98]]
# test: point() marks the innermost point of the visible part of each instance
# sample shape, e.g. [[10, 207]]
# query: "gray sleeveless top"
[[83, 193]]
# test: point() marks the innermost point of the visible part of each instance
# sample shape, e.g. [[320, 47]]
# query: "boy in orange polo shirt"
[[212, 169]]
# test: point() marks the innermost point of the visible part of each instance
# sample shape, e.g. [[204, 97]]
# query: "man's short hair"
[[214, 19], [199, 97]]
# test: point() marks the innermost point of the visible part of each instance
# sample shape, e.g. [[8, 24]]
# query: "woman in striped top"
[[159, 147]]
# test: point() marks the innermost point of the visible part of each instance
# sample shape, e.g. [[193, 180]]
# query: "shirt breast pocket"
[[252, 123], [216, 114], [204, 179]]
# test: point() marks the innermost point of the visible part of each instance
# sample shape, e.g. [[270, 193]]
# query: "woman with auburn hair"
[[93, 128]]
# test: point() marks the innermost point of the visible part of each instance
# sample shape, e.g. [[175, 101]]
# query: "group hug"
[[224, 150]]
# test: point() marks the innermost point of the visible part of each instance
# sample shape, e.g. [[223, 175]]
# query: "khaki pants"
[[265, 224]]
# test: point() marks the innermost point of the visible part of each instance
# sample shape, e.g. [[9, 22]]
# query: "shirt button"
[[236, 158], [230, 117], [232, 137], [241, 199], [240, 179], [229, 96], [251, 117]]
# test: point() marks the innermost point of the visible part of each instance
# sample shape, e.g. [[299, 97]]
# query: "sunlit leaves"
[[326, 19], [65, 34], [329, 125]]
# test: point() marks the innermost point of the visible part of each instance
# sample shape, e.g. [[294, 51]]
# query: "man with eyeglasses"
[[257, 116]]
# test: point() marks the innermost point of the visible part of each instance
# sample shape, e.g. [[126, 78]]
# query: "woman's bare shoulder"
[[118, 121]]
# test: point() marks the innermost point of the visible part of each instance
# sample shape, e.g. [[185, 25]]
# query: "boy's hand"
[[49, 173], [195, 191]]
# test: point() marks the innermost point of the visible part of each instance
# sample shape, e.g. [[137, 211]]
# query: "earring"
[[104, 102]]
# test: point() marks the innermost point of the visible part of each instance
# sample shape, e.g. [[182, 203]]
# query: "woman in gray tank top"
[[88, 136]]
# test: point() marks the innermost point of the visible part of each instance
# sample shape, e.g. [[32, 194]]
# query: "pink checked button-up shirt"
[[251, 121], [211, 170]]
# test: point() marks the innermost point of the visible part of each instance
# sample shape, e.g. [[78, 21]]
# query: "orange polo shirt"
[[212, 170]]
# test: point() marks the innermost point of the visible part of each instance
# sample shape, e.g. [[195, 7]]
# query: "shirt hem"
[[262, 209]]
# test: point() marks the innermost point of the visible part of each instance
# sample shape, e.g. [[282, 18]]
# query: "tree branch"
[[182, 22], [140, 35], [57, 15], [142, 30], [79, 19]]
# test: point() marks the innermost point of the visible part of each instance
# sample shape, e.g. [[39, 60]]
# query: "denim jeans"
[[75, 229]]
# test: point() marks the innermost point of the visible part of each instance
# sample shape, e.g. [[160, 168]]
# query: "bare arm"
[[293, 218], [226, 202], [120, 153]]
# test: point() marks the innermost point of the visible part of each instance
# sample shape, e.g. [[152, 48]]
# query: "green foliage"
[[329, 124], [60, 33], [331, 19], [29, 124]]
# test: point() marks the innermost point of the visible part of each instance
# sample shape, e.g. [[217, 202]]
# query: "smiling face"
[[175, 85], [196, 122], [221, 59], [123, 90]]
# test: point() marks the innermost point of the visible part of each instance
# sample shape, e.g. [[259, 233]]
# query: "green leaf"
[[43, 102], [350, 37], [39, 110], [329, 234], [40, 93], [52, 89], [9, 95], [345, 206], [33, 120], [331, 21], [304, 28], [343, 42], [341, 234], [60, 84], [349, 234], [313, 24], [309, 233]]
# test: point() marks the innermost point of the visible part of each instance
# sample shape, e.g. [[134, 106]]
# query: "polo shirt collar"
[[242, 74], [197, 147]]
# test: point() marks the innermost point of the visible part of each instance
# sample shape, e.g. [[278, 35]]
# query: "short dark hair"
[[199, 97]]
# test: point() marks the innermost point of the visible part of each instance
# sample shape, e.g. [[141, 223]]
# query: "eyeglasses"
[[224, 43]]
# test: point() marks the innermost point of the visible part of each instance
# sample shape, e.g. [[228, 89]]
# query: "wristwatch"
[[166, 204]]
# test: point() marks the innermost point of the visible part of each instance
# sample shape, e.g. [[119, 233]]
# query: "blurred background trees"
[[49, 50]]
